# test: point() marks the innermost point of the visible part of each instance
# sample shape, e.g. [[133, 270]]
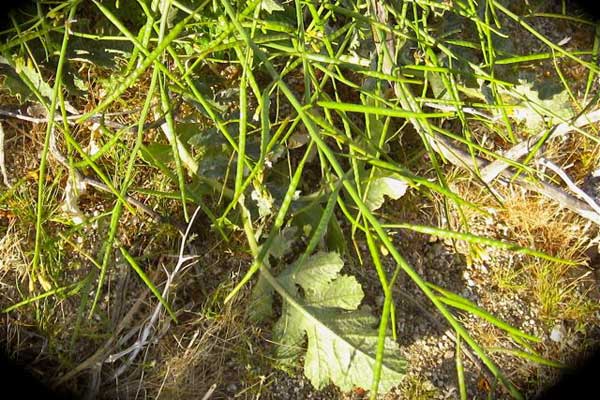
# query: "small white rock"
[[558, 333]]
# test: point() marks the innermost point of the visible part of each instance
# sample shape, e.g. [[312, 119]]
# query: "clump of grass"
[[415, 387], [562, 294], [13, 262]]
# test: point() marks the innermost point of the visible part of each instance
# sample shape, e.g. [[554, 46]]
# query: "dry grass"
[[534, 295], [197, 356], [13, 263]]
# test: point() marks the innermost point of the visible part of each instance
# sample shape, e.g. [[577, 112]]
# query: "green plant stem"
[[43, 162], [316, 137]]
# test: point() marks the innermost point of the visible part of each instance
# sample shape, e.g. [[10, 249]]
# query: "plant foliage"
[[322, 306]]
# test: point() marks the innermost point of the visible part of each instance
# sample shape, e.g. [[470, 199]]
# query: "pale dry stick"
[[97, 118], [162, 384], [2, 161], [58, 117], [94, 118], [570, 184], [492, 170], [466, 110], [135, 348], [463, 159], [557, 194], [209, 392], [75, 185], [99, 356]]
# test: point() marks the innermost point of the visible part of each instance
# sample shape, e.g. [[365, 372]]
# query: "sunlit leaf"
[[541, 103], [342, 339], [271, 5], [384, 185]]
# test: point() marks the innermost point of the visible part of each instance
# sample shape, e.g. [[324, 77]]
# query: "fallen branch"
[[495, 168], [570, 184], [464, 160], [97, 118], [466, 110]]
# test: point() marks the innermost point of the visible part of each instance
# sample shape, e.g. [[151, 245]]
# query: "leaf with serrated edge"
[[316, 271], [341, 344], [288, 334], [36, 79], [344, 292]]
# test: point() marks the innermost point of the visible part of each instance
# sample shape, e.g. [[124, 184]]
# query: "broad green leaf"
[[541, 103], [261, 301], [381, 185], [282, 244], [342, 339], [344, 292], [437, 86], [158, 152], [341, 348], [23, 67], [318, 271], [15, 83], [289, 338]]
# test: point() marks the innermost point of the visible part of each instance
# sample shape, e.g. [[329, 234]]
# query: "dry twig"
[[144, 337], [495, 168], [2, 163]]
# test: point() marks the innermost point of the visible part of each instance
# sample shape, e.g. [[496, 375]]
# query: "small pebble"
[[558, 333], [231, 388]]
